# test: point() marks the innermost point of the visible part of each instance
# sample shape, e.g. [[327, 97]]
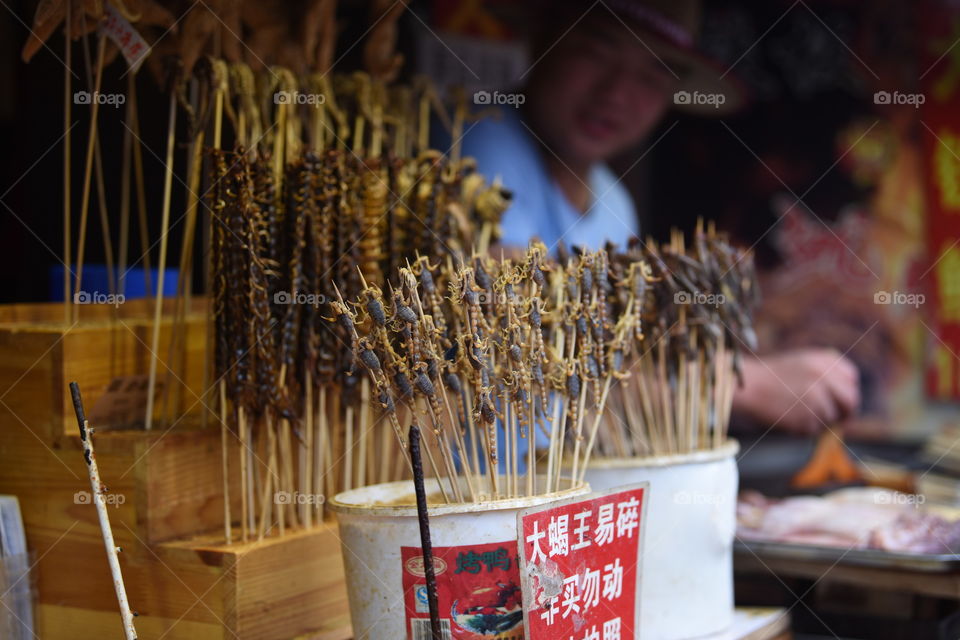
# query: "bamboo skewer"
[[305, 466], [224, 442], [67, 148], [245, 502], [162, 265], [126, 160], [271, 477], [139, 184], [91, 143], [322, 464]]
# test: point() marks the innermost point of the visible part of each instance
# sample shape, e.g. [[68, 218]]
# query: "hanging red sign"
[[580, 567], [940, 133]]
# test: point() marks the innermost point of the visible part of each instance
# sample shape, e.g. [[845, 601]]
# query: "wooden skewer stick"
[[285, 481], [125, 169], [323, 466], [172, 390], [67, 126], [348, 450], [364, 429], [268, 495], [98, 490], [85, 201], [224, 446], [245, 503], [595, 427], [386, 442], [306, 454], [139, 183], [578, 431], [603, 401], [164, 232], [101, 190]]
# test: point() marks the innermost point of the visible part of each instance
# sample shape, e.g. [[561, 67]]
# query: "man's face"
[[599, 91]]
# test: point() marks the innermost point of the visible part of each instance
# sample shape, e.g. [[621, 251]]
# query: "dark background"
[[805, 81]]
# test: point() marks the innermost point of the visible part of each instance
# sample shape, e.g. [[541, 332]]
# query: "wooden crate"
[[167, 511], [40, 354], [278, 589]]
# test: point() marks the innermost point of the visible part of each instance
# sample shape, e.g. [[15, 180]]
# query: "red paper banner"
[[940, 130], [580, 569]]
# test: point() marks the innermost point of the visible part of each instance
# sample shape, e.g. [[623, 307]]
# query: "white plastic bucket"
[[376, 521], [686, 589]]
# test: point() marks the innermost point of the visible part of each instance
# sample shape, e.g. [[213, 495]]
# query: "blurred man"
[[601, 81]]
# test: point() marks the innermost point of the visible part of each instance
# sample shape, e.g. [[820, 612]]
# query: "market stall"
[[345, 339]]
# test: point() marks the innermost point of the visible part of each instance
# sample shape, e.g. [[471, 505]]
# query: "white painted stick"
[[98, 490]]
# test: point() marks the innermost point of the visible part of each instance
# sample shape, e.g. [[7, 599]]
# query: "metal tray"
[[929, 563]]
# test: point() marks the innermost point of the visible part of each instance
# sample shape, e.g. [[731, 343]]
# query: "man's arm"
[[800, 391]]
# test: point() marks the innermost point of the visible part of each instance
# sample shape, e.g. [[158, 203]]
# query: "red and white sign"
[[123, 34], [580, 567]]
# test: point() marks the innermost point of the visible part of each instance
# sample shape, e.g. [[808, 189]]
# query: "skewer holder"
[[377, 522], [687, 585], [165, 495]]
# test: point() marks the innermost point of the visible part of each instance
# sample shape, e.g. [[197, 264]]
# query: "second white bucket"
[[377, 522], [686, 590]]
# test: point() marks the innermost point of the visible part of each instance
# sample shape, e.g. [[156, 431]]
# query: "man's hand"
[[799, 391]]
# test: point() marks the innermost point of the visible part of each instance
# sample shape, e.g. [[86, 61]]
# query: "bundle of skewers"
[[299, 180], [300, 224], [698, 323], [486, 354]]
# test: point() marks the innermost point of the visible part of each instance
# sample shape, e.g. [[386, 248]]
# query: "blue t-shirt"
[[504, 147]]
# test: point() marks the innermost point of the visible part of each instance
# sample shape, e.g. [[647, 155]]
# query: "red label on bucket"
[[478, 592], [580, 567]]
